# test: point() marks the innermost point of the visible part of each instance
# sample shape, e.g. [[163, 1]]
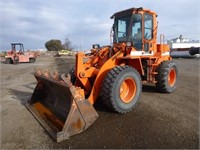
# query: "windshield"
[[121, 29], [126, 29]]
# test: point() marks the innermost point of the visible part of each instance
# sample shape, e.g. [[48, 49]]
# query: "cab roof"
[[129, 11]]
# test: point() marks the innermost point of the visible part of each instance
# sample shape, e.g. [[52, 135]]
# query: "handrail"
[[162, 38]]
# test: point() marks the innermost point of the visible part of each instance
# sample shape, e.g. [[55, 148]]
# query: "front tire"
[[121, 89], [8, 61], [167, 77]]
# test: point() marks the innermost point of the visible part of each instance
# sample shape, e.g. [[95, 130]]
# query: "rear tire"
[[32, 60], [121, 89], [167, 77]]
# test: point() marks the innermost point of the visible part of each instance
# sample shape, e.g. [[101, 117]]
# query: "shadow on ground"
[[21, 96]]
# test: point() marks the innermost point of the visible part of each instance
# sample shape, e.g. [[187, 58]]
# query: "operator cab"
[[137, 26], [17, 47]]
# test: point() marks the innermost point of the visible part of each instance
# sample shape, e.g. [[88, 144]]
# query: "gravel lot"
[[158, 120]]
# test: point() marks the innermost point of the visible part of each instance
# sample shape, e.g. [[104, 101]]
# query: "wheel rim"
[[172, 77], [127, 90]]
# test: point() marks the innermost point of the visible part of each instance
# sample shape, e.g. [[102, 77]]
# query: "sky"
[[87, 22]]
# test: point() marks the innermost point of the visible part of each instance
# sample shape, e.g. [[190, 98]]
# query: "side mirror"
[[112, 30]]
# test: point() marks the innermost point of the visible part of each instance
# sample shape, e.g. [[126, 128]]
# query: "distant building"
[[182, 43], [41, 49]]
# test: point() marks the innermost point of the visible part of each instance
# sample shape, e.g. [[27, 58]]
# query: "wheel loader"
[[63, 104]]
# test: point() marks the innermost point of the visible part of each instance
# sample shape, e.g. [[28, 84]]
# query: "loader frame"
[[85, 70]]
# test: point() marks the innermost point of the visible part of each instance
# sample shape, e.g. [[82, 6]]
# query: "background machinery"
[[18, 55], [63, 104]]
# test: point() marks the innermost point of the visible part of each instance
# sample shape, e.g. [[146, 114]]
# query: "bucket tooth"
[[38, 71], [46, 73], [54, 75], [67, 79]]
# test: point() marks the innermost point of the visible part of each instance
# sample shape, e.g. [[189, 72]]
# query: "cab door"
[[148, 32]]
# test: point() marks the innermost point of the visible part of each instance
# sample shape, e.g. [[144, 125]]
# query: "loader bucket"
[[60, 108]]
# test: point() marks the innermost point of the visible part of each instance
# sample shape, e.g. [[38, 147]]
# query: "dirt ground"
[[158, 121]]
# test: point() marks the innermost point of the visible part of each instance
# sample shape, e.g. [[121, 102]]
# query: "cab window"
[[148, 26], [137, 31]]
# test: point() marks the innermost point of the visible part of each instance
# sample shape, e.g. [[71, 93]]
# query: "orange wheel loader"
[[63, 104]]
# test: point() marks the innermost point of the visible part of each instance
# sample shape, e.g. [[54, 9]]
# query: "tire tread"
[[108, 85], [162, 77]]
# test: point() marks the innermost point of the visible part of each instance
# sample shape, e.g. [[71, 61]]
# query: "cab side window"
[[148, 26]]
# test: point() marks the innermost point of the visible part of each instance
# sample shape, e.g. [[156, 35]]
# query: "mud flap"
[[60, 108]]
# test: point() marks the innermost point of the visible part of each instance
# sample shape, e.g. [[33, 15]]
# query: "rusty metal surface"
[[59, 106]]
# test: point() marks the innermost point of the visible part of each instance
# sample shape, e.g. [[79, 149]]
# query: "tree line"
[[56, 45]]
